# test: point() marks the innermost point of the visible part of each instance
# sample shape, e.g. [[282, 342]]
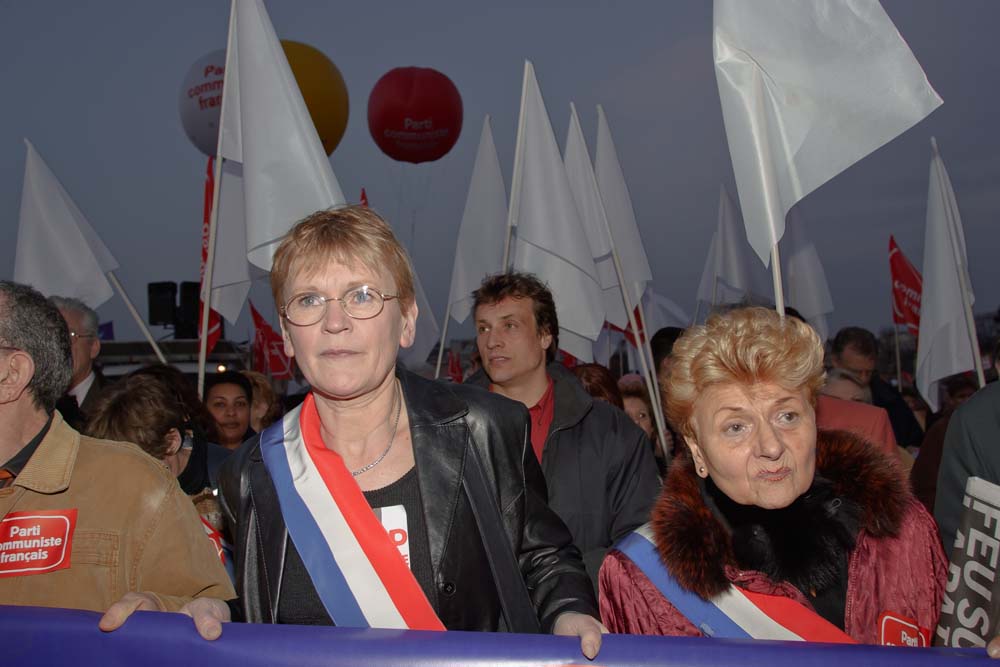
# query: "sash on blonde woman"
[[359, 575], [736, 613]]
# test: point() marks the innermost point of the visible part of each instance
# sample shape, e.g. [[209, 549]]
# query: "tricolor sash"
[[359, 574], [736, 613]]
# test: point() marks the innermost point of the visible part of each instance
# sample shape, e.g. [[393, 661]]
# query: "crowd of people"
[[530, 498]]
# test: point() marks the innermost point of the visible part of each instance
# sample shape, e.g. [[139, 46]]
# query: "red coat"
[[897, 564]]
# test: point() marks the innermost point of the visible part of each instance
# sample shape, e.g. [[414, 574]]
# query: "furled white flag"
[[58, 252], [808, 291], [550, 240], [731, 272], [944, 346], [808, 88], [618, 208], [583, 185], [479, 251], [286, 173]]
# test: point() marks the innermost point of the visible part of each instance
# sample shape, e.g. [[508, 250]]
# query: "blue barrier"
[[35, 637]]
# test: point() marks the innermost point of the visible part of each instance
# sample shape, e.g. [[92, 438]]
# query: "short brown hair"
[[140, 408], [517, 285], [350, 235], [599, 383], [747, 346], [263, 391]]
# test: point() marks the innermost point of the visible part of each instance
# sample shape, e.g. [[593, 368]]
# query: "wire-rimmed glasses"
[[360, 303]]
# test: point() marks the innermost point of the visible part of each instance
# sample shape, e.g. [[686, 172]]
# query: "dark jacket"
[[971, 449], [904, 425], [446, 421], [896, 566], [598, 466]]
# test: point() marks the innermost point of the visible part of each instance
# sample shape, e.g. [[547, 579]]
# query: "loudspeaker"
[[162, 299], [187, 311]]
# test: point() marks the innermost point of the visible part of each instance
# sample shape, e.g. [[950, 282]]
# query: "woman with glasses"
[[387, 500]]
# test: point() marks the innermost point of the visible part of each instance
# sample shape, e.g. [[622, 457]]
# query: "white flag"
[[230, 270], [550, 240], [286, 174], [426, 333], [58, 252], [731, 273], [808, 291], [583, 185], [944, 346], [808, 88], [618, 208], [479, 251], [660, 312]]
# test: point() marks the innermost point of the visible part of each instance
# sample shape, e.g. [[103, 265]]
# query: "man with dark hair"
[[86, 382], [855, 350], [598, 464], [86, 519]]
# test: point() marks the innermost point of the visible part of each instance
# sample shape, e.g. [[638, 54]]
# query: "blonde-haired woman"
[[766, 528]]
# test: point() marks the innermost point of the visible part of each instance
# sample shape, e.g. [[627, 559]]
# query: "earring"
[[701, 470]]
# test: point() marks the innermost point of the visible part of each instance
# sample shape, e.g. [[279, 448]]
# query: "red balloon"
[[415, 114]]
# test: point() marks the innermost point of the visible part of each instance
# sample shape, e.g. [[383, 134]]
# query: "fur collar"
[[696, 548]]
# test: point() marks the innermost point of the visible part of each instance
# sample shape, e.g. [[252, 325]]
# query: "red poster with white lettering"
[[36, 541], [907, 286]]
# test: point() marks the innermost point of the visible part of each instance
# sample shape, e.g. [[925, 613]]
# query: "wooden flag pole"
[[516, 177], [135, 315]]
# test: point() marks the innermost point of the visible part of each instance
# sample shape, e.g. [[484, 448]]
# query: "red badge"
[[895, 630], [214, 538], [35, 542]]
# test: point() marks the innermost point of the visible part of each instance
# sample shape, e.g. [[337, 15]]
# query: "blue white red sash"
[[357, 571], [736, 613]]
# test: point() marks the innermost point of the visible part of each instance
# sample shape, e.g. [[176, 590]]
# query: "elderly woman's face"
[[342, 357], [757, 443]]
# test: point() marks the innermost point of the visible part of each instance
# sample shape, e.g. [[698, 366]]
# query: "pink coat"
[[897, 566]]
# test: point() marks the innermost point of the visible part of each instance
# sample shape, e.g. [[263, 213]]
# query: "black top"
[[806, 544], [299, 603], [17, 462]]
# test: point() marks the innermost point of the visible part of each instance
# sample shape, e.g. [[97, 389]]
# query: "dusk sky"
[[95, 87]]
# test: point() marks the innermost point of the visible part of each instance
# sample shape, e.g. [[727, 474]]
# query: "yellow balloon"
[[323, 90]]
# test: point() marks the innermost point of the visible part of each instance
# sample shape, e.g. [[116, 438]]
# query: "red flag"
[[364, 197], [907, 286], [214, 321], [269, 350], [455, 366]]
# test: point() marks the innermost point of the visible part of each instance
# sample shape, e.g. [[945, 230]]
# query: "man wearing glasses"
[[86, 383], [85, 523]]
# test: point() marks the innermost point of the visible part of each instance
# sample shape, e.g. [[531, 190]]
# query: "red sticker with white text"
[[901, 631], [215, 538], [36, 542]]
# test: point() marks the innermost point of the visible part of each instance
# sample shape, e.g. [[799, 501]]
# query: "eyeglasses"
[[361, 303], [74, 335]]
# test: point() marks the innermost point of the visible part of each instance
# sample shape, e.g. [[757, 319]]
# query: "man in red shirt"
[[598, 464]]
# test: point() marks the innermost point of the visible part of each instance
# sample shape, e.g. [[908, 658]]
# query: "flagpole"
[[444, 335], [645, 349], [213, 220], [899, 364], [515, 181], [970, 322], [779, 295], [135, 315]]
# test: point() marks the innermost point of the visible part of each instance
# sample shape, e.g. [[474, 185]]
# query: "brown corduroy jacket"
[[135, 529]]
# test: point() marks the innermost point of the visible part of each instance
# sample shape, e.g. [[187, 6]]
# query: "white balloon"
[[200, 100]]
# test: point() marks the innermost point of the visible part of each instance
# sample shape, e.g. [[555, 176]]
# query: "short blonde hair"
[[352, 235], [746, 346]]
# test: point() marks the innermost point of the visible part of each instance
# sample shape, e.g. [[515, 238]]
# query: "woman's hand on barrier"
[[587, 628], [208, 613]]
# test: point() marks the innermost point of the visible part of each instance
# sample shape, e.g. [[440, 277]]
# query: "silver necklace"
[[392, 438]]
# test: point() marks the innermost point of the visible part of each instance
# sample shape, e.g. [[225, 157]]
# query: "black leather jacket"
[[445, 422]]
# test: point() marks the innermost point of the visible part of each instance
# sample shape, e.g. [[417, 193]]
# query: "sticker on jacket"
[[895, 630], [393, 519], [36, 542]]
